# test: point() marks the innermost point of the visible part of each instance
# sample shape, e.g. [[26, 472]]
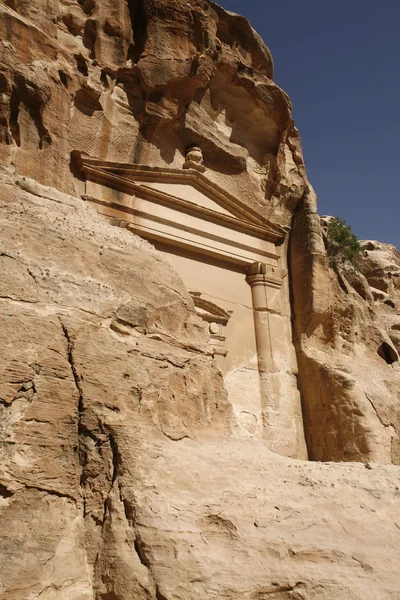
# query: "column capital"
[[267, 275]]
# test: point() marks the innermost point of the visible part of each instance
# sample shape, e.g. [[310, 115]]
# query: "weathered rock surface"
[[122, 477], [349, 372], [139, 80]]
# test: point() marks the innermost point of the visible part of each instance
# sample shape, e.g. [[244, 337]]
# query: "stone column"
[[280, 399], [265, 282]]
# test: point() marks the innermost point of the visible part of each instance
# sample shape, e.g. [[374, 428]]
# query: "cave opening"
[[139, 29], [388, 353]]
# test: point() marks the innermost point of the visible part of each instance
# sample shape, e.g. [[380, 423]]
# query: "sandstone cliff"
[[346, 340], [126, 472]]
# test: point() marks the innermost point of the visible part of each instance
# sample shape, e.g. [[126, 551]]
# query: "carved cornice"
[[209, 311], [121, 177]]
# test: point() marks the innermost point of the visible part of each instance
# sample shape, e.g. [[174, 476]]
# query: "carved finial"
[[194, 159]]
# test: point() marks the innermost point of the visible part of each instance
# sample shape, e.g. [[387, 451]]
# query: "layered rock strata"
[[122, 474], [345, 336], [140, 83], [154, 396]]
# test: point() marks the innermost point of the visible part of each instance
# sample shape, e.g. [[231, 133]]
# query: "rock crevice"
[[159, 360]]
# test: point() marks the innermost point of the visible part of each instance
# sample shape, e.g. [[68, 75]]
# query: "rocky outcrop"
[[121, 474], [124, 475], [380, 264], [95, 356], [138, 81], [349, 372]]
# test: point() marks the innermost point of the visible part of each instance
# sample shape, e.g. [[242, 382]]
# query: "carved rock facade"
[[174, 346]]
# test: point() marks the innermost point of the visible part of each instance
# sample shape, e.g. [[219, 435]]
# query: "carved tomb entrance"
[[229, 259]]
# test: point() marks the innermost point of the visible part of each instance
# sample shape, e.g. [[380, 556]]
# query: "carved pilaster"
[[265, 282]]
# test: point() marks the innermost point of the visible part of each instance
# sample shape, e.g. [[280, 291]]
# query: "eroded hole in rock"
[[139, 28], [3, 83], [90, 36], [5, 137], [227, 35], [155, 96], [45, 141], [72, 24], [107, 78], [87, 6], [81, 64], [140, 549], [200, 36], [14, 126], [104, 79], [4, 492], [389, 302], [388, 353], [109, 596], [87, 101], [342, 283], [33, 99], [63, 78]]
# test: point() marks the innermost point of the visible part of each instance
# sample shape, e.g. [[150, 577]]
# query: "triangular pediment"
[[187, 190]]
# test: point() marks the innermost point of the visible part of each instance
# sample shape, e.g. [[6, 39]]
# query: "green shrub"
[[342, 244]]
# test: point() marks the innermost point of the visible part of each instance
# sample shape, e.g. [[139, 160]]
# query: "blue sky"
[[339, 63]]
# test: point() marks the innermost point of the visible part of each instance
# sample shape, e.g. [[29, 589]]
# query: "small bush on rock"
[[342, 244]]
